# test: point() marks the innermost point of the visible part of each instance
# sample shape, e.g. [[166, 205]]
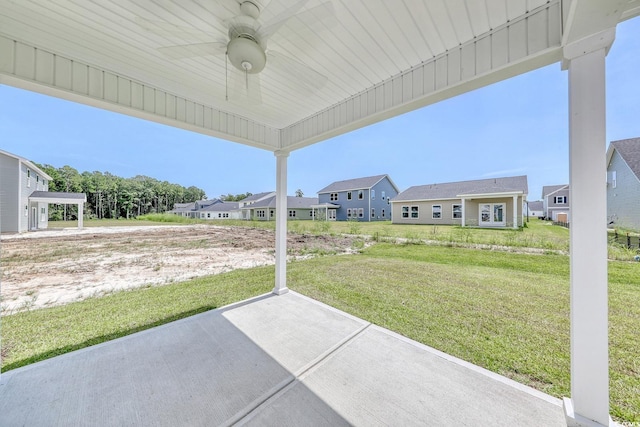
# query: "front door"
[[34, 218]]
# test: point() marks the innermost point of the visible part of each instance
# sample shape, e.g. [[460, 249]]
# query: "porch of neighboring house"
[[271, 360], [39, 200]]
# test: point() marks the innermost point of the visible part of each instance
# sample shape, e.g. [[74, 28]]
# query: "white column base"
[[280, 291], [575, 420]]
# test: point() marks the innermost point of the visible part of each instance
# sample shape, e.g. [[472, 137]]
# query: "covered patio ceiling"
[[333, 66]]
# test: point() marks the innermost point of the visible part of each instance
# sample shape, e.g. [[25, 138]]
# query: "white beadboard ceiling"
[[356, 61]]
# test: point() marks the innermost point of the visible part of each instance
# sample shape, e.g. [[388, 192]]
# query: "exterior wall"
[[10, 209], [471, 212], [292, 214], [367, 203], [552, 208], [425, 212], [27, 186], [622, 201], [221, 215]]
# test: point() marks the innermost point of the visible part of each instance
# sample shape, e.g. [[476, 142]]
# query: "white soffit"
[[379, 59]]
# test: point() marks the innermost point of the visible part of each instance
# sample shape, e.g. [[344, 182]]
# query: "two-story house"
[[623, 183], [555, 202], [361, 199], [25, 196]]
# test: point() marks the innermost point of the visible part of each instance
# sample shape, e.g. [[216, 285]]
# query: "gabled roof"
[[536, 205], [183, 207], [222, 207], [292, 203], [629, 150], [550, 189], [29, 164], [258, 196], [356, 184], [454, 190]]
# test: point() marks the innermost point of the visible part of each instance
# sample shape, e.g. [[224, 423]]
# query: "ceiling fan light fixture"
[[246, 55]]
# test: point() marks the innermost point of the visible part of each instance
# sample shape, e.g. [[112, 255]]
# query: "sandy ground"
[[53, 267]]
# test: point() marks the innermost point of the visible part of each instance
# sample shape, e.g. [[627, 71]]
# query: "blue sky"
[[515, 127]]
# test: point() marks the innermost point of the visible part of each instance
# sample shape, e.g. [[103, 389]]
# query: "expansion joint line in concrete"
[[297, 376]]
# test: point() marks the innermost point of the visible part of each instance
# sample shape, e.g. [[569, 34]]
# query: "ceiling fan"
[[245, 47]]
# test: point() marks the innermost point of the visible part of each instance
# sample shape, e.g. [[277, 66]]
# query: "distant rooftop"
[[453, 190]]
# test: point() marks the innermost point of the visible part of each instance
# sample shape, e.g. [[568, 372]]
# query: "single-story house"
[[535, 209], [555, 199], [265, 210], [25, 196], [222, 210], [362, 199], [254, 198], [494, 202], [623, 183]]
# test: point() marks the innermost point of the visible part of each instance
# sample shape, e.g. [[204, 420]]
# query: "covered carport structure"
[[332, 67], [60, 198]]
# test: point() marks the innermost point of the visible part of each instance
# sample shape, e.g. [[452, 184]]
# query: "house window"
[[361, 213], [383, 195], [360, 194], [373, 213], [414, 212], [436, 211], [389, 200], [373, 194], [457, 212], [43, 215], [260, 213], [272, 214], [208, 215], [28, 178], [348, 195], [292, 214], [219, 215], [613, 179], [333, 197], [405, 212], [26, 210], [349, 213], [383, 213], [332, 214], [560, 200]]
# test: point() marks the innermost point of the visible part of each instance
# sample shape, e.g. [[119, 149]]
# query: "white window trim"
[[433, 211], [453, 211]]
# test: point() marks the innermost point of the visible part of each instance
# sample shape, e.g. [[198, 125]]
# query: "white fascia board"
[[491, 195], [425, 200]]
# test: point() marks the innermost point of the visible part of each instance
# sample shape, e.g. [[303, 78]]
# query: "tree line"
[[111, 196]]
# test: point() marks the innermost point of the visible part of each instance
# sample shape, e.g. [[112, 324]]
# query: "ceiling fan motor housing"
[[246, 55]]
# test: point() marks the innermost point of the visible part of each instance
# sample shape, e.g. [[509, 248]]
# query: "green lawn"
[[507, 312]]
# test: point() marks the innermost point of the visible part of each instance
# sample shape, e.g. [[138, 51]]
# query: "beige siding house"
[[495, 202]]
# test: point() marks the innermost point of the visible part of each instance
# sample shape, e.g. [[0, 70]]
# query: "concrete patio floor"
[[271, 360]]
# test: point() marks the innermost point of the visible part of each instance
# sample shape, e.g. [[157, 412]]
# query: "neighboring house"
[[535, 209], [223, 210], [25, 196], [208, 209], [555, 200], [362, 199], [265, 209], [623, 183], [254, 198], [494, 202]]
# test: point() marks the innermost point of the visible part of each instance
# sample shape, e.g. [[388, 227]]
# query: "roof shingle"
[[452, 190], [629, 150]]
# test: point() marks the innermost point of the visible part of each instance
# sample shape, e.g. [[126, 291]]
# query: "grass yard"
[[507, 312]]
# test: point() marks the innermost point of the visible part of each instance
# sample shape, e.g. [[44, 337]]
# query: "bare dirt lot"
[[53, 267]]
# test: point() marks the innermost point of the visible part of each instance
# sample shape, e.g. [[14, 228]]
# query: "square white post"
[[589, 403], [464, 213], [80, 215], [515, 211], [281, 223]]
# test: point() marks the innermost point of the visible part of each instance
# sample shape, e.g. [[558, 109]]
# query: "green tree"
[[299, 193]]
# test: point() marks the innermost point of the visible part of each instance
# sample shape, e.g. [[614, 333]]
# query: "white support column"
[[589, 403], [80, 215], [281, 223], [464, 212], [515, 211]]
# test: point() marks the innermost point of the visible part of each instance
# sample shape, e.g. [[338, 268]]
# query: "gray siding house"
[[623, 183], [25, 196], [535, 209], [494, 202], [555, 201], [208, 209], [362, 199]]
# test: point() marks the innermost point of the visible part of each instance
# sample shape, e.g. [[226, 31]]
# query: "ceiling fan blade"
[[245, 88], [268, 28], [193, 50], [296, 71]]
